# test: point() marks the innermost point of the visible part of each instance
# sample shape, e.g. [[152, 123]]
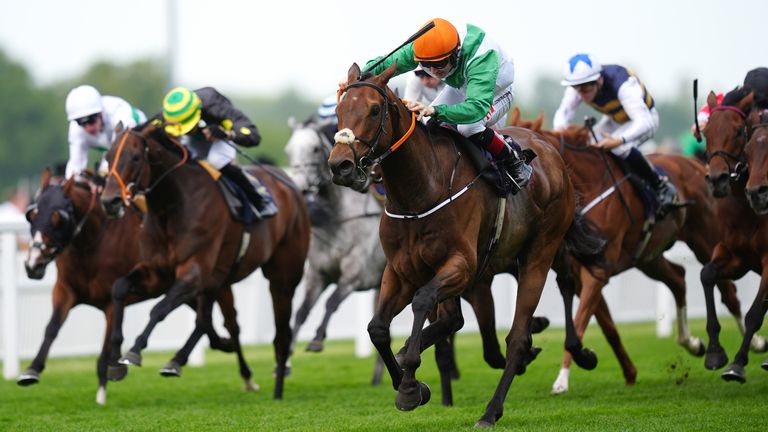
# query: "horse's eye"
[[317, 150], [135, 158], [375, 110]]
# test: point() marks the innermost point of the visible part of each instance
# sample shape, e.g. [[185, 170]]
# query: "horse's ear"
[[353, 73], [536, 125], [389, 72], [67, 187], [45, 178], [746, 101], [119, 127], [711, 100], [514, 119], [292, 122]]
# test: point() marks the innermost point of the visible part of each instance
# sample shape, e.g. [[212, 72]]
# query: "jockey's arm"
[[481, 73], [218, 107], [403, 57], [643, 125], [568, 106]]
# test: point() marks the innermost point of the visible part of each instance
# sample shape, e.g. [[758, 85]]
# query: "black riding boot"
[[666, 193], [517, 170], [261, 199]]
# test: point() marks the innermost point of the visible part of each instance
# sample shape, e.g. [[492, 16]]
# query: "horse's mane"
[[152, 129]]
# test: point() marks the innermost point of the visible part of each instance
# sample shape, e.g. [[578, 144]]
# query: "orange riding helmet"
[[436, 44]]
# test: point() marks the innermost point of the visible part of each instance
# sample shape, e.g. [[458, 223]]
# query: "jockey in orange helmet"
[[479, 76]]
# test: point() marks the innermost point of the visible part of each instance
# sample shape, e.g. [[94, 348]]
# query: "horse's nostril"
[[345, 168]]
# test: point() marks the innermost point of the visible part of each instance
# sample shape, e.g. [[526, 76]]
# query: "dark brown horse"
[[440, 224], [618, 216], [191, 246], [744, 247], [68, 225]]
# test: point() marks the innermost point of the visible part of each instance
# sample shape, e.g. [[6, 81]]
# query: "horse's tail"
[[585, 242]]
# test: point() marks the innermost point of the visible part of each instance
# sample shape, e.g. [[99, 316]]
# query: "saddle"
[[491, 170], [234, 196]]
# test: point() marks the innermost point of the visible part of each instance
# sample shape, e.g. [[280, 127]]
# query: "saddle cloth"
[[233, 194]]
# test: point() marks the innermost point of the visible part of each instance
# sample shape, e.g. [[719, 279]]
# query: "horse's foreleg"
[[63, 301], [282, 296], [392, 299], [314, 286], [722, 265], [173, 367], [753, 320], [184, 288], [102, 362], [481, 300], [453, 277], [342, 291]]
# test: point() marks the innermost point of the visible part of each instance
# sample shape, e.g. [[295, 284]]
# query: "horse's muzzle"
[[719, 184], [113, 207], [758, 199], [36, 271]]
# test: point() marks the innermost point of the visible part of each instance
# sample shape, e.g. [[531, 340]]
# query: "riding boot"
[[517, 170], [260, 198], [666, 194]]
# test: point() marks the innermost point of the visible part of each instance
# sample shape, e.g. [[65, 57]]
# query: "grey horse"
[[344, 249]]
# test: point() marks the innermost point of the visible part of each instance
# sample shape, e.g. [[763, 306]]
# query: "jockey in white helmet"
[[92, 120], [629, 114]]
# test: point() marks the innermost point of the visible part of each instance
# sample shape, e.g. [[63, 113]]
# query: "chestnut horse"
[[615, 216], [69, 226], [192, 246], [436, 248], [744, 247]]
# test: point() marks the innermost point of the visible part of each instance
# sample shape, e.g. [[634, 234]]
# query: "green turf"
[[331, 391]]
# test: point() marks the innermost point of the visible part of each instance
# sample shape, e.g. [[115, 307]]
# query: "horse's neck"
[[416, 175], [92, 227]]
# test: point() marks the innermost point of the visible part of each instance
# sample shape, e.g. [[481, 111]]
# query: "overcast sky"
[[255, 47]]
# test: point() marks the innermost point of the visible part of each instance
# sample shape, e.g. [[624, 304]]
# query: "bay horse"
[[191, 246], [615, 208], [69, 226], [436, 249], [735, 155], [343, 252]]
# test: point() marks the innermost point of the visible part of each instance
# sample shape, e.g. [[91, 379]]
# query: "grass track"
[[331, 392]]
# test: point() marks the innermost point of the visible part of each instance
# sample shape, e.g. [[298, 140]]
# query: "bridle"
[[129, 190], [740, 167], [373, 156]]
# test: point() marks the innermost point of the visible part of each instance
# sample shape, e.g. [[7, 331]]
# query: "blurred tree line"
[[34, 124]]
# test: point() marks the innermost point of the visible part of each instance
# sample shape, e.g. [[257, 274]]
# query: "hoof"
[[587, 359], [410, 399], [117, 372], [735, 373], [715, 359], [539, 324], [315, 346], [29, 377], [249, 386], [483, 424], [758, 344], [698, 349], [171, 369], [101, 396], [765, 364], [130, 358]]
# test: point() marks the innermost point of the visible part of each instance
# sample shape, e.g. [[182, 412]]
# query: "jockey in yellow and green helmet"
[[209, 125]]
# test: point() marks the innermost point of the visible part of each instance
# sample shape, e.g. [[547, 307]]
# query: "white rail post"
[[8, 281], [665, 315], [363, 313]]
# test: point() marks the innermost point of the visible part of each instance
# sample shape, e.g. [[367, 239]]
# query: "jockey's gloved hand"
[[220, 133]]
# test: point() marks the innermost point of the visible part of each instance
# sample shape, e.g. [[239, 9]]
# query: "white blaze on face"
[[344, 136], [35, 253]]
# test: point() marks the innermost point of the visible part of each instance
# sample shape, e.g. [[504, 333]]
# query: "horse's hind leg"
[[673, 276], [101, 363], [611, 333], [481, 300], [173, 367], [753, 321], [314, 286], [342, 291], [63, 301], [227, 304]]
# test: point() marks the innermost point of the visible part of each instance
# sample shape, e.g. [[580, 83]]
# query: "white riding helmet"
[[580, 69], [83, 101]]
